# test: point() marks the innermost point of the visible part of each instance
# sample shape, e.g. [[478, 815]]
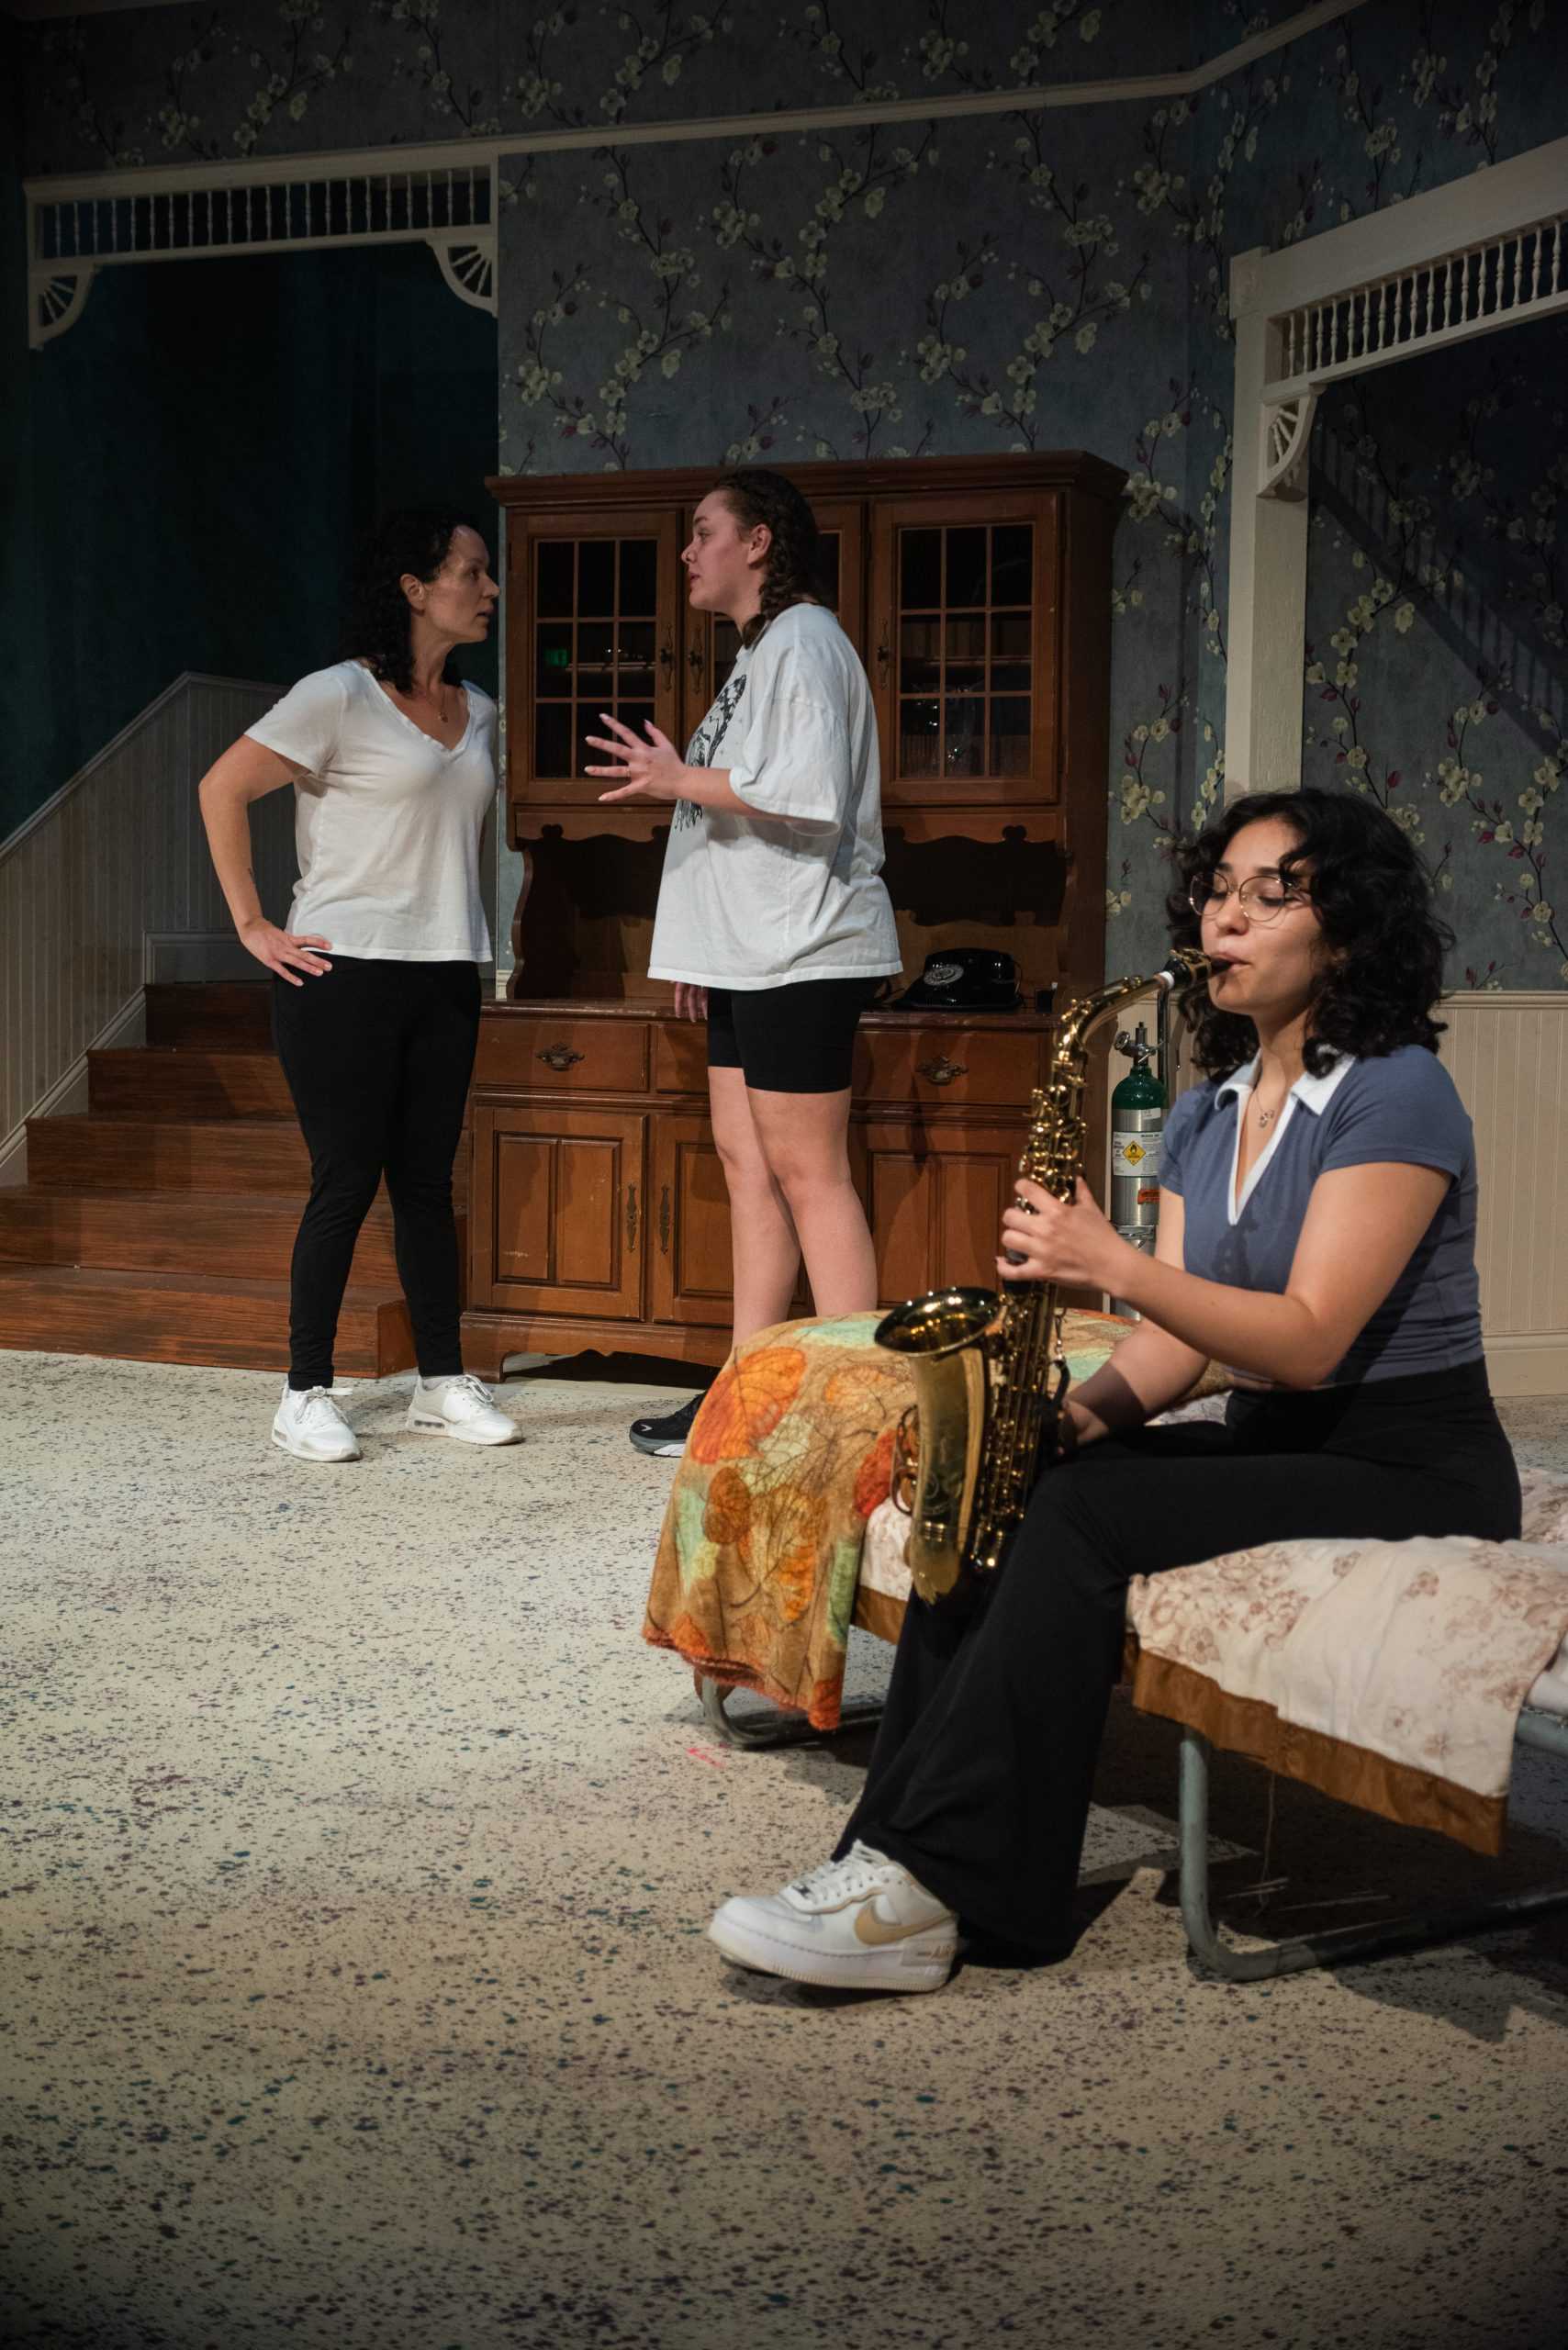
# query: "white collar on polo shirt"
[[1312, 1093]]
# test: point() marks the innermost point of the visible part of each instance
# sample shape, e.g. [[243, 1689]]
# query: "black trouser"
[[378, 1055], [984, 1763]]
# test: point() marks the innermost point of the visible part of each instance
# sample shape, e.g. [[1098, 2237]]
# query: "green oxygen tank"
[[1137, 1121]]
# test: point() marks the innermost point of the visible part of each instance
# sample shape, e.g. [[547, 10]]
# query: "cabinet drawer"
[[680, 1057], [947, 1066], [534, 1053]]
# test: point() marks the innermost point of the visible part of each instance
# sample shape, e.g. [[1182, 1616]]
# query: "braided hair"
[[380, 620], [792, 574], [1375, 900]]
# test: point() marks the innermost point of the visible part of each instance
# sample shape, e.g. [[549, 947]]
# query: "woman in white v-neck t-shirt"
[[376, 981]]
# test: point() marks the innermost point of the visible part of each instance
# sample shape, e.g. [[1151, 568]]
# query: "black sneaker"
[[666, 1435]]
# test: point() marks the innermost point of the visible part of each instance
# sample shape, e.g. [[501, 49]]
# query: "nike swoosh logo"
[[875, 1931]]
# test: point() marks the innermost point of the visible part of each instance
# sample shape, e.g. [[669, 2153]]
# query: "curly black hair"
[[416, 539], [794, 559], [1375, 900]]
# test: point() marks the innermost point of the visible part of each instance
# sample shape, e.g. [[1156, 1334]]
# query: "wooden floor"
[[158, 1224]]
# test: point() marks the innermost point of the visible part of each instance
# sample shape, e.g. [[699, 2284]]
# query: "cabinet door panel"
[[965, 658], [558, 1211], [934, 1197], [593, 620], [690, 1277]]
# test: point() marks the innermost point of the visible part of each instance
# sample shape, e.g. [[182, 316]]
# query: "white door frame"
[[1478, 254]]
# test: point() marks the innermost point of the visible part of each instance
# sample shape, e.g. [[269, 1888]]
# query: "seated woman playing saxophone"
[[1318, 1236]]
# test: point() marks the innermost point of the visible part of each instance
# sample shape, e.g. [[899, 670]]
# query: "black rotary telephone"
[[964, 978]]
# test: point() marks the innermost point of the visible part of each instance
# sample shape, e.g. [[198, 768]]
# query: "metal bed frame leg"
[[1421, 1928], [786, 1728]]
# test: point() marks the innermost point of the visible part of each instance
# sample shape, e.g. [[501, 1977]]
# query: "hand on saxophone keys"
[[1047, 1239], [1011, 1255]]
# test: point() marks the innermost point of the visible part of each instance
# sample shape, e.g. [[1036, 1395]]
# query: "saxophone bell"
[[936, 1450]]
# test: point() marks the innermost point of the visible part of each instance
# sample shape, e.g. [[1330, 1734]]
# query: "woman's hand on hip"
[[691, 1002], [650, 770], [282, 952], [1058, 1240]]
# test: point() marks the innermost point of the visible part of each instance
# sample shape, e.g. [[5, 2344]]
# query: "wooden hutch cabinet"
[[978, 592]]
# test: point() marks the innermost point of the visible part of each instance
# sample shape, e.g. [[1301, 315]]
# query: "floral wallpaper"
[[1436, 673], [1019, 280]]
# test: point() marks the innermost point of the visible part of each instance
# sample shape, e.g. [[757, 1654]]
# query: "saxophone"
[[990, 1375]]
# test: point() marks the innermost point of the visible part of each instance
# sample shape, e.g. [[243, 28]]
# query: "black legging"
[[983, 1766], [378, 1055]]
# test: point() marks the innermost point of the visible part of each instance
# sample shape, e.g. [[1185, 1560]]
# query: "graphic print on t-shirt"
[[706, 741]]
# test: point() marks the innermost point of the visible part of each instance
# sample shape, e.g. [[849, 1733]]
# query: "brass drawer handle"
[[942, 1071], [694, 660], [664, 1219], [631, 1215], [558, 1057]]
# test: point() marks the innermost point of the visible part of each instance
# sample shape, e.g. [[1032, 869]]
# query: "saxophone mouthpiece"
[[1186, 967]]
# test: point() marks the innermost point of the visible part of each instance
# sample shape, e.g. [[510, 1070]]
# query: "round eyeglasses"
[[1262, 898]]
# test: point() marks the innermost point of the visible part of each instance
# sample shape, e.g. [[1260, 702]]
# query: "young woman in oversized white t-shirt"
[[773, 920], [376, 981]]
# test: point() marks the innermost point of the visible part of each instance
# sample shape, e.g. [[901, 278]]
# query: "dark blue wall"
[[192, 461]]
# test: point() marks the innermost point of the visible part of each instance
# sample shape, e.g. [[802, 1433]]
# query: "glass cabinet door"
[[964, 657], [712, 643], [593, 628]]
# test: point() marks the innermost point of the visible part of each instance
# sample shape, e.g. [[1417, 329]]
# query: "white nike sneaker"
[[460, 1406], [309, 1424], [859, 1924]]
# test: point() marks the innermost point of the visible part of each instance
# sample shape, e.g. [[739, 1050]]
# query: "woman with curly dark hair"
[[376, 982], [773, 920], [1317, 1236]]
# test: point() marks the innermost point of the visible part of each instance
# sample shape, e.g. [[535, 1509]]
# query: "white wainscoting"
[[96, 884], [1507, 1054]]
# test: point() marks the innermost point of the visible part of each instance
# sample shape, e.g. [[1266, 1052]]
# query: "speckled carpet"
[[357, 1856]]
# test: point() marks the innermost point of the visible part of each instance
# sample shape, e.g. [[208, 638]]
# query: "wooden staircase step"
[[90, 1151], [230, 1323], [120, 1152], [250, 1234], [232, 1015], [188, 1083]]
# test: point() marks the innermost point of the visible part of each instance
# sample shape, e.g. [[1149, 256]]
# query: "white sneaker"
[[859, 1924], [309, 1424], [460, 1406]]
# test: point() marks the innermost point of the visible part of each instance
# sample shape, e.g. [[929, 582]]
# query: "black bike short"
[[795, 1039]]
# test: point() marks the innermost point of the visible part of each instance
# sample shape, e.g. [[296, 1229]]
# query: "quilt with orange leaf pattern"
[[755, 1580]]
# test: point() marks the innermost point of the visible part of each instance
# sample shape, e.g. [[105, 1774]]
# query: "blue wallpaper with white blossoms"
[[1019, 280]]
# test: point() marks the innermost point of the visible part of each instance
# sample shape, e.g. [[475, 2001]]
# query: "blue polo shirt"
[[1399, 1107]]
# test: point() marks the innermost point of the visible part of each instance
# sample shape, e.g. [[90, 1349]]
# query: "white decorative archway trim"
[[443, 196], [1483, 252], [431, 192], [468, 265], [55, 299]]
